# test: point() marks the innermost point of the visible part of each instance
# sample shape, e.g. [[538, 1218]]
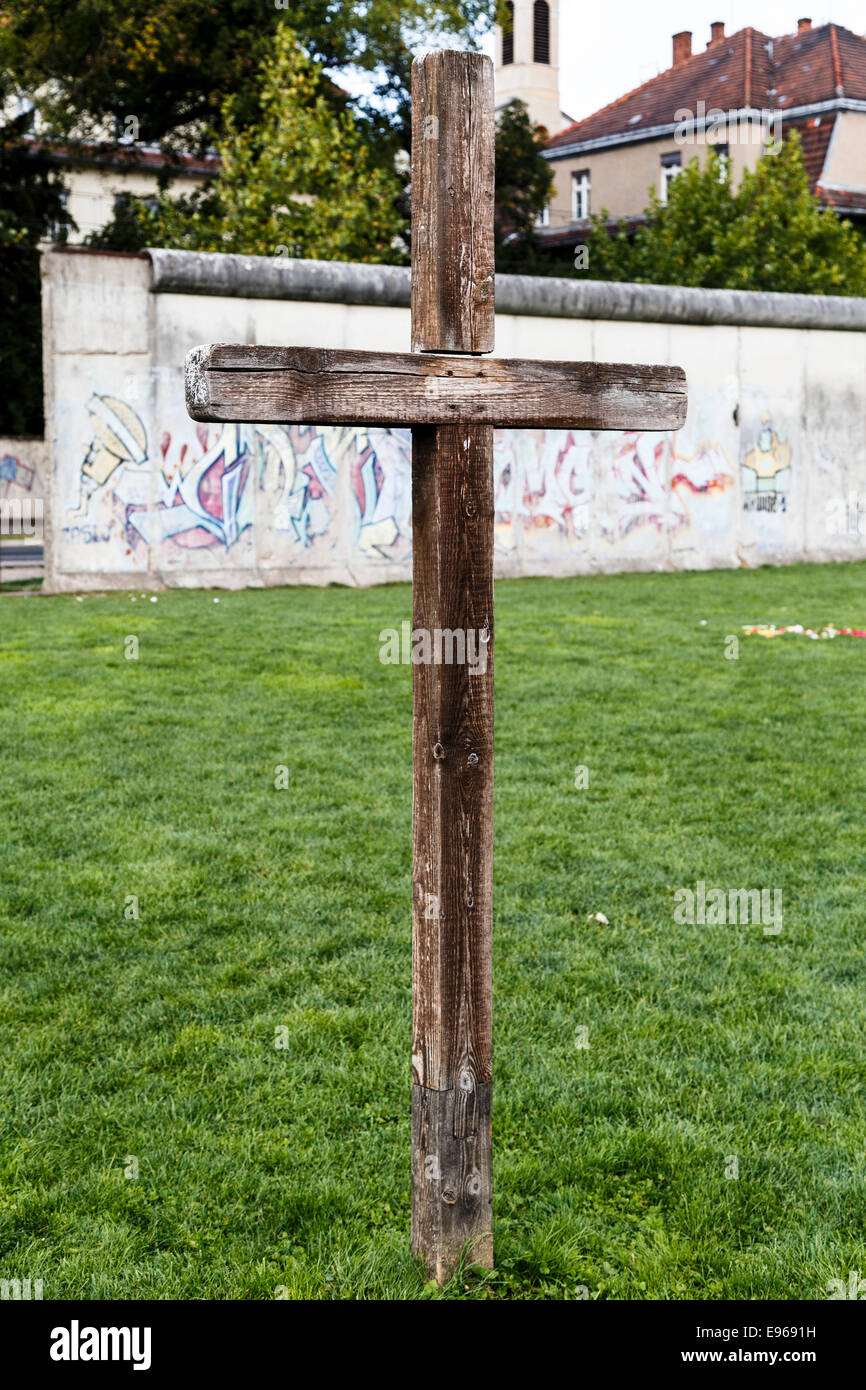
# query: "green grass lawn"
[[263, 1168]]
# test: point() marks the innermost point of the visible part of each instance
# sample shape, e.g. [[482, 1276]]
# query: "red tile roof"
[[842, 199], [815, 133], [747, 69], [136, 158]]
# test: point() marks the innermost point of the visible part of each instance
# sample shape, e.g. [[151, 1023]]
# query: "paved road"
[[12, 555]]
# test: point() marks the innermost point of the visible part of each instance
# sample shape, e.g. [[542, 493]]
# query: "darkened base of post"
[[452, 1181]]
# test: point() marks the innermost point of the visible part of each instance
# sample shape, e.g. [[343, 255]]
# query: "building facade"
[[736, 94], [527, 61]]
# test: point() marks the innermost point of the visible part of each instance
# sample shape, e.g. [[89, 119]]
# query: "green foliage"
[[769, 234], [302, 176], [31, 209], [136, 222], [300, 181], [173, 63], [20, 341], [524, 181], [300, 148]]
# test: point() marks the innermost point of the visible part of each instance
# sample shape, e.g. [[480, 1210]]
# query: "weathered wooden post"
[[452, 741], [452, 402]]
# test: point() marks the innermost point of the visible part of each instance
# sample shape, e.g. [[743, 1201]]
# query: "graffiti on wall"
[[300, 470], [545, 478], [382, 495], [200, 493], [659, 486], [16, 478], [766, 470], [204, 488], [193, 499]]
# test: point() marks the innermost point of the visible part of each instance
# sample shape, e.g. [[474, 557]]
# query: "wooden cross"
[[452, 404]]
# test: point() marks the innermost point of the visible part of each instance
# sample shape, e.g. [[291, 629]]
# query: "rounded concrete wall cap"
[[345, 282]]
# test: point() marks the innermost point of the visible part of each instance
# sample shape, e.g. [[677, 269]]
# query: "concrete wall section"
[[23, 502], [764, 471], [22, 468], [98, 415]]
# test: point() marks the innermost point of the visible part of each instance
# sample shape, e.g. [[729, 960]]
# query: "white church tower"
[[527, 61]]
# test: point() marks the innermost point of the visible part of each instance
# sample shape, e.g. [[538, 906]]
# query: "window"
[[543, 218], [122, 202], [57, 231], [508, 36], [541, 32], [26, 113], [724, 154], [671, 166], [580, 195]]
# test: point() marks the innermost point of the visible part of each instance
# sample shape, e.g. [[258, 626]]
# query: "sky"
[[606, 49]]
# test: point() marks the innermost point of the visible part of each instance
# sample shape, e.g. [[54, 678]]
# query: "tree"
[[266, 194], [524, 182], [771, 234], [786, 241], [172, 64], [31, 209], [300, 181]]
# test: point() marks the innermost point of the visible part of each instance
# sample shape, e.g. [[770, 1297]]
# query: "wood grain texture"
[[452, 830], [452, 1181], [452, 708], [291, 385], [452, 531], [452, 203]]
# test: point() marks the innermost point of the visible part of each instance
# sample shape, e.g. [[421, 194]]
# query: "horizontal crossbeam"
[[293, 385]]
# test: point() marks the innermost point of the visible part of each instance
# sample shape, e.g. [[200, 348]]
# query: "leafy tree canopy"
[[300, 181], [172, 64], [31, 189], [524, 181], [31, 208]]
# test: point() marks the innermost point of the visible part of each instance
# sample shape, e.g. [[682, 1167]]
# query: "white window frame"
[[543, 218], [668, 174], [723, 150], [581, 193]]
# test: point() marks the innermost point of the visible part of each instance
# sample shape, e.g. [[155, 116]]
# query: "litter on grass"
[[770, 630]]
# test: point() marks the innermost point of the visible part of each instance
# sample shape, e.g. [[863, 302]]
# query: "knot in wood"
[[472, 760], [449, 1196], [438, 751]]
